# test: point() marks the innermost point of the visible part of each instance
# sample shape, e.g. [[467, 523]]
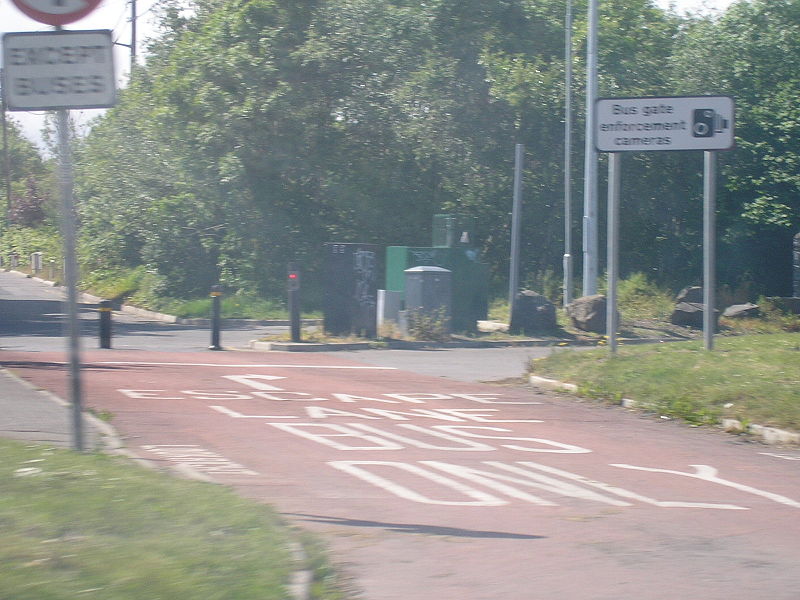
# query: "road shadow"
[[46, 318], [34, 317], [57, 366], [416, 528]]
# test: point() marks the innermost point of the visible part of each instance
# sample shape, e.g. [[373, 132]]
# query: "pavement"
[[33, 415]]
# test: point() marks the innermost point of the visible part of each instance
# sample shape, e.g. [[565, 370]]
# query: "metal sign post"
[[60, 70], [709, 247], [614, 181], [591, 260], [516, 209], [68, 229], [672, 123], [567, 258]]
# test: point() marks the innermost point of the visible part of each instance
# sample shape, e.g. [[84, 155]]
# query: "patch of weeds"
[[692, 411], [325, 581], [114, 284], [499, 310], [428, 326], [103, 415], [314, 335], [587, 391], [640, 298]]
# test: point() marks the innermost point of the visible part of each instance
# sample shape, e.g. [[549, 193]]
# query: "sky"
[[115, 15]]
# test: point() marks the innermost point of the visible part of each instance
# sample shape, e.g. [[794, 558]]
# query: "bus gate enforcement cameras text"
[[707, 122]]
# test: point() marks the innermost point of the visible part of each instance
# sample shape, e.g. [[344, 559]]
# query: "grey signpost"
[[516, 216], [62, 70], [672, 123]]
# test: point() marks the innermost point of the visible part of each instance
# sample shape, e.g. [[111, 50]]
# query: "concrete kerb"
[[767, 435], [265, 346], [165, 318], [396, 345]]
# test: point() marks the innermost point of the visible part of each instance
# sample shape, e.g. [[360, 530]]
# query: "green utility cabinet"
[[470, 278]]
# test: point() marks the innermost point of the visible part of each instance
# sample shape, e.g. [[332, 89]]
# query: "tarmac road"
[[434, 488], [31, 320]]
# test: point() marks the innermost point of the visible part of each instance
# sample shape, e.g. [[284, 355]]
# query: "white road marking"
[[783, 456], [354, 468], [237, 415], [509, 482], [200, 459], [256, 381], [709, 473]]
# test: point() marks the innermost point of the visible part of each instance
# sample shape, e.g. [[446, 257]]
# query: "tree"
[[263, 128], [27, 174], [750, 53]]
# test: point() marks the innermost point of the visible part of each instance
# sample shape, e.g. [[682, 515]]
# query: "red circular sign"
[[56, 12]]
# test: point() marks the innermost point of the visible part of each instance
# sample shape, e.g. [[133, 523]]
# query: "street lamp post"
[[590, 225]]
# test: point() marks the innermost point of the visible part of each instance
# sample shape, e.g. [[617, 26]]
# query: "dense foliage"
[[749, 53], [259, 129], [28, 214]]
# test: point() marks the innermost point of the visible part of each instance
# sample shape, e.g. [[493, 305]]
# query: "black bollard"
[[105, 311], [293, 288], [216, 320]]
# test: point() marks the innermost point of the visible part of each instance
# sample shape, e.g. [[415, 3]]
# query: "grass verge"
[[752, 378], [95, 526]]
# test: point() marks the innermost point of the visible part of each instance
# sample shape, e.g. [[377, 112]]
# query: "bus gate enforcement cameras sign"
[[55, 70], [673, 123], [56, 12]]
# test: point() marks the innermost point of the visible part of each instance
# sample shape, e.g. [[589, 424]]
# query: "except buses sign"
[[673, 123], [58, 70]]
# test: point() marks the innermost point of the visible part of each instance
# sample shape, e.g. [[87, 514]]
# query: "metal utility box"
[[351, 289], [469, 279], [429, 290]]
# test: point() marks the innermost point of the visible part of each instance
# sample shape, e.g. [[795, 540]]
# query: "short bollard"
[[216, 320], [293, 288], [105, 311]]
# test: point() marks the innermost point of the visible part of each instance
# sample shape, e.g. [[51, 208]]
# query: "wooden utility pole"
[[133, 36]]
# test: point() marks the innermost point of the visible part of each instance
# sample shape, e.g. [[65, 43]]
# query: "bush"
[[640, 298], [547, 283], [114, 284], [23, 241], [429, 327]]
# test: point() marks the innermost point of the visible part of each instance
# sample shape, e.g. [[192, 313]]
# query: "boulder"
[[786, 304], [588, 313], [533, 313], [692, 294], [740, 311], [690, 314]]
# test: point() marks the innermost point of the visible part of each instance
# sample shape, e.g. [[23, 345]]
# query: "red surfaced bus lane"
[[436, 489]]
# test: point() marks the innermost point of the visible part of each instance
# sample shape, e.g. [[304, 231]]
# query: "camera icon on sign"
[[707, 122]]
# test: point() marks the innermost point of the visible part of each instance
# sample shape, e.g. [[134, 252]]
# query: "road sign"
[[56, 12], [53, 70], [672, 123]]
